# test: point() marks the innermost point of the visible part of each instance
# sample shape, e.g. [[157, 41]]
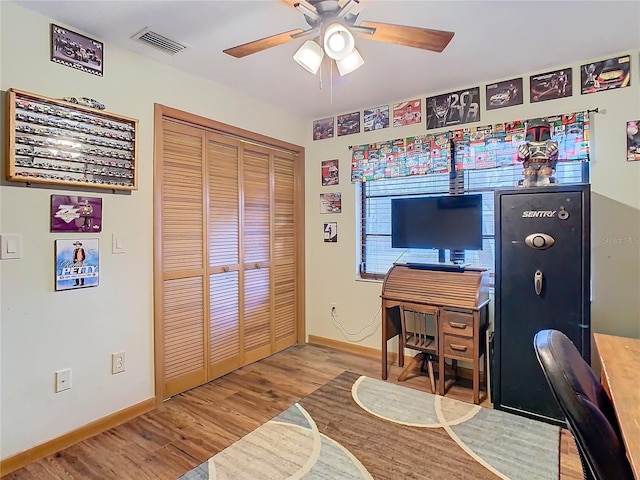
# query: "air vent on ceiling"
[[159, 41]]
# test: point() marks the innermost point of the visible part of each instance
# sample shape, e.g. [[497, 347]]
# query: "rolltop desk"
[[461, 299]]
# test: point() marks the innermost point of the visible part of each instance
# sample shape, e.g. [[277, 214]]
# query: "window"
[[377, 256]]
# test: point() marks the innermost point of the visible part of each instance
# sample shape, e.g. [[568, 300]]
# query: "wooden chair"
[[420, 332]]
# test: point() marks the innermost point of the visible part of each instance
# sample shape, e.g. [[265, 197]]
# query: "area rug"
[[357, 427]]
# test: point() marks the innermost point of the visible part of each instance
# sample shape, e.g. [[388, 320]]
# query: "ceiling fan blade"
[[291, 3], [418, 37], [262, 44]]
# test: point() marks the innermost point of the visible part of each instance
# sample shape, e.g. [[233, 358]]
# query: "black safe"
[[542, 281]]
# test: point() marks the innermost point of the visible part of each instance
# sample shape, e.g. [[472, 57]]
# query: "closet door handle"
[[225, 269], [257, 265]]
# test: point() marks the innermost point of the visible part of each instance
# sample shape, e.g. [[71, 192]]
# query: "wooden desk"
[[461, 300], [620, 360]]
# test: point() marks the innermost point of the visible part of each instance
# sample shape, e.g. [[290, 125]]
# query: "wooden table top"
[[620, 359]]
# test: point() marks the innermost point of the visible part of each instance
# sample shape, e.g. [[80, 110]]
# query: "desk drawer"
[[457, 323], [458, 347]]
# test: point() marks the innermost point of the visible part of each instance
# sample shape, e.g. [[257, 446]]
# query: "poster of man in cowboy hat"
[[77, 264]]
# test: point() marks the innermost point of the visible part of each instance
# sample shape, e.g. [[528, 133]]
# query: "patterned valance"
[[487, 146]]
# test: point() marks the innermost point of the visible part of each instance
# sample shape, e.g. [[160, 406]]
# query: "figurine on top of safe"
[[539, 155]]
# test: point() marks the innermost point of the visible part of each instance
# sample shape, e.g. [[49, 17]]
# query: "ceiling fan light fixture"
[[351, 62], [309, 56], [338, 41]]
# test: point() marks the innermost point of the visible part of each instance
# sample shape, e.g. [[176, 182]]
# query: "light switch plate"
[[11, 246], [117, 243]]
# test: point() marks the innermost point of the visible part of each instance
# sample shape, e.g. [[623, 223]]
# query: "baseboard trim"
[[350, 348], [22, 459], [465, 373]]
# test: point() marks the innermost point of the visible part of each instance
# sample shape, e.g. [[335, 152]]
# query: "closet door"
[[256, 253], [184, 274], [224, 330], [284, 251], [228, 242]]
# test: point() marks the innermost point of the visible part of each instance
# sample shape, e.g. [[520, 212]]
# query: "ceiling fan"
[[327, 17]]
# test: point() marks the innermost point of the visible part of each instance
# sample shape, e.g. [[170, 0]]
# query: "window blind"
[[376, 254]]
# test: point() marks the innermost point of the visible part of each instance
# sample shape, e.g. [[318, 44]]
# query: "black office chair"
[[588, 410]]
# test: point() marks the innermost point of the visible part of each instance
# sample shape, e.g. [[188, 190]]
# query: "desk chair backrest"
[[588, 410], [420, 330]]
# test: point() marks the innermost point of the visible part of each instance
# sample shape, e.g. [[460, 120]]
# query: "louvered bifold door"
[[224, 255], [256, 253], [284, 251], [183, 259]]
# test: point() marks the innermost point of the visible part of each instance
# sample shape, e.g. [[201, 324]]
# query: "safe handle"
[[537, 282]]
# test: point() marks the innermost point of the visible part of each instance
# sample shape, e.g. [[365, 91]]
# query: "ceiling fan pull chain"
[[331, 79]]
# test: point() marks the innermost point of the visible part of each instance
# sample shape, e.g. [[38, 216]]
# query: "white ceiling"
[[493, 40]]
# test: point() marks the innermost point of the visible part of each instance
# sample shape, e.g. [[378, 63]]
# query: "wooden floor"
[[191, 427]]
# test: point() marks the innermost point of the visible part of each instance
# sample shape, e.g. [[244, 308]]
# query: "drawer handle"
[[458, 348], [458, 325]]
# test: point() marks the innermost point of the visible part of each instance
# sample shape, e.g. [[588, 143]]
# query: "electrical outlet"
[[117, 363], [333, 309], [63, 380]]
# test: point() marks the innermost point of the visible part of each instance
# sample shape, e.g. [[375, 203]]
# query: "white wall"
[[615, 236], [43, 331]]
